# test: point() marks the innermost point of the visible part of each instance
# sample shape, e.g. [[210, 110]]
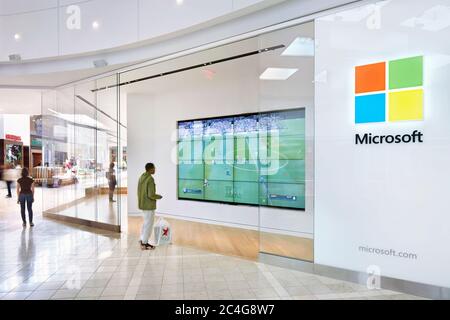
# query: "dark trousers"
[[28, 200], [8, 185], [112, 187]]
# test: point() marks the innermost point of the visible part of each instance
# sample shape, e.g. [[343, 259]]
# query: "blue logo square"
[[370, 108]]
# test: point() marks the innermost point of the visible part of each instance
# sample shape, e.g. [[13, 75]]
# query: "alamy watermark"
[[373, 277], [373, 271], [233, 150]]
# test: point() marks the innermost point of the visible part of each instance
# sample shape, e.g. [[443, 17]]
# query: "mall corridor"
[[55, 260]]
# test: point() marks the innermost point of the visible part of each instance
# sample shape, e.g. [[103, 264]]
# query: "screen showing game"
[[253, 159]]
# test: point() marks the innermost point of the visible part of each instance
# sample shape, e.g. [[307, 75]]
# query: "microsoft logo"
[[389, 91]]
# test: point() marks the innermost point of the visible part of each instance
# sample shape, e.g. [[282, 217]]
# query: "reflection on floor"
[[287, 246], [215, 238], [55, 197], [232, 241], [96, 208], [54, 260]]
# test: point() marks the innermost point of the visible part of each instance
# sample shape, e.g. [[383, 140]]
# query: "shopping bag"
[[163, 232]]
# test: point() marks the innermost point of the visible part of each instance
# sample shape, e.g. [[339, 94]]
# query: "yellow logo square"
[[406, 105]]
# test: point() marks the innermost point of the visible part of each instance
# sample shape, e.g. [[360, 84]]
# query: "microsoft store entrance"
[[230, 130]]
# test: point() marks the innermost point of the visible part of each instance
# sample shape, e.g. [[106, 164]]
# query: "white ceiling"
[[45, 29], [54, 79], [29, 101], [210, 73], [19, 101]]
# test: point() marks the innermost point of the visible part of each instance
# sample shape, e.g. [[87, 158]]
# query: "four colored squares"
[[401, 100]]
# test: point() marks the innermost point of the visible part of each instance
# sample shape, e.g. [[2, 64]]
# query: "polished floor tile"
[[41, 295], [60, 261], [90, 292], [22, 295]]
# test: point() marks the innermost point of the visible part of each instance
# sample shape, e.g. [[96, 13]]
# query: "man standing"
[[147, 203], [112, 181]]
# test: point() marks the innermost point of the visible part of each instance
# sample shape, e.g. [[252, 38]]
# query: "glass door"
[[81, 147], [286, 128]]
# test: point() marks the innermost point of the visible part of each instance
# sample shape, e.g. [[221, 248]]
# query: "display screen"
[[254, 159], [13, 153]]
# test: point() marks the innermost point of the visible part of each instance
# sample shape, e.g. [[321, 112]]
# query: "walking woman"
[[25, 193], [9, 175]]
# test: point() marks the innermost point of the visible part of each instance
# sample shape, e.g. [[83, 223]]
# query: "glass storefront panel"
[[264, 164], [108, 157], [242, 141], [286, 75], [183, 113], [85, 149], [55, 174], [80, 142]]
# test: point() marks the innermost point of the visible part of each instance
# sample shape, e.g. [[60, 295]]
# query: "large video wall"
[[254, 159]]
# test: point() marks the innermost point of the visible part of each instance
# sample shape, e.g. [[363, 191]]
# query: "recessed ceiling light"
[[277, 73], [17, 36], [434, 19], [180, 2], [95, 25], [300, 47]]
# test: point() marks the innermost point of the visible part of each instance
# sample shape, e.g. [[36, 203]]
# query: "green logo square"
[[406, 73]]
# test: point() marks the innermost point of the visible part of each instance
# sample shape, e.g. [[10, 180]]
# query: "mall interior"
[[301, 148]]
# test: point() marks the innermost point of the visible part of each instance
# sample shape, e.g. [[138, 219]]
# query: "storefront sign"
[[36, 143], [13, 137], [368, 138], [389, 91], [400, 92]]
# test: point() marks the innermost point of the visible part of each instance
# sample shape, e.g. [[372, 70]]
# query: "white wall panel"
[[38, 31], [286, 10], [117, 26], [239, 4], [158, 17], [18, 125], [13, 101], [69, 2], [8, 7], [383, 196]]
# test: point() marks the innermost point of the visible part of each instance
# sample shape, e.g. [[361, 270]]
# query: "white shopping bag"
[[162, 232]]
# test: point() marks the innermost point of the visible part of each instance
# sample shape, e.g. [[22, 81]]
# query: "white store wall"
[[16, 124], [388, 196], [20, 101]]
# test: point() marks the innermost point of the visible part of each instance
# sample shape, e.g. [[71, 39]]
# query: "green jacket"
[[147, 192]]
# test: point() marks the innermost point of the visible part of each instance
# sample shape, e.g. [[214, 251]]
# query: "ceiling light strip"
[[201, 65]]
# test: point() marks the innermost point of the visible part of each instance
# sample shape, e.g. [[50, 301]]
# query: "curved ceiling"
[[55, 70], [43, 29]]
